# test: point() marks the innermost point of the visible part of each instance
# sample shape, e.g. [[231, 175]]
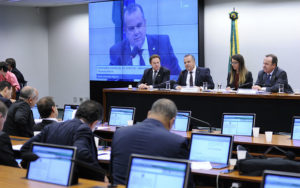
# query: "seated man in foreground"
[[150, 137], [76, 132], [155, 76]]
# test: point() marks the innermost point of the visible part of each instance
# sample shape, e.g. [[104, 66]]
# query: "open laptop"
[[149, 171], [214, 148], [238, 124], [278, 179], [120, 115], [35, 111], [69, 112], [296, 128], [54, 164], [182, 123]]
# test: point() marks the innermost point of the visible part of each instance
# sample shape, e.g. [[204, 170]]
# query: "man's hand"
[[256, 87]]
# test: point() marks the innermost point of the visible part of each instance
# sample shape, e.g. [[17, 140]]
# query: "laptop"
[[35, 112], [158, 172], [296, 128], [119, 115], [54, 164], [278, 179], [214, 148], [182, 123], [69, 111], [238, 124]]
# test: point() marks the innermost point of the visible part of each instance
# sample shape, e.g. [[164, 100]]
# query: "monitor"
[[182, 121], [278, 179], [54, 164], [69, 112], [119, 115], [149, 171], [35, 112], [214, 148], [296, 128], [238, 124]]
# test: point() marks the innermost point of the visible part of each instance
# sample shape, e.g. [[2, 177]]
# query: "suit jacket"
[[19, 121], [149, 138], [6, 152], [41, 125], [279, 76], [72, 133], [6, 101], [162, 76], [202, 75], [248, 83], [120, 53]]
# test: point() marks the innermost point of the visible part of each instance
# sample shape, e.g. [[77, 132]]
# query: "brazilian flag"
[[234, 37]]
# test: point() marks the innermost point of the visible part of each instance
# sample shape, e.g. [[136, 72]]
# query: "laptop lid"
[[238, 124], [158, 172], [120, 115], [69, 111], [296, 128], [215, 148], [54, 164], [274, 179], [182, 123], [35, 112]]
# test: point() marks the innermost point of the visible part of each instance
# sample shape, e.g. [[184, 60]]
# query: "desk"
[[273, 111], [15, 178], [17, 140]]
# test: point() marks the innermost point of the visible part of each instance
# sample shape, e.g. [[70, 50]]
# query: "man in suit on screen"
[[138, 46]]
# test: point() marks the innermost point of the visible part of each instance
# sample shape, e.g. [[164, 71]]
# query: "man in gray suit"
[[271, 76]]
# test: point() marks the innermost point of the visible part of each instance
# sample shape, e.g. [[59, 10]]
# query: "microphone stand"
[[199, 120]]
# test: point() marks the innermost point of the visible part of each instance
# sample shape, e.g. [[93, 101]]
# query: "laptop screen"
[[119, 116], [36, 114], [210, 147], [238, 124], [69, 112], [149, 171], [296, 128], [276, 179], [182, 123]]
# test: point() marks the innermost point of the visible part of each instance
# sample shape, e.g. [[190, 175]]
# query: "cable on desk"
[[217, 180]]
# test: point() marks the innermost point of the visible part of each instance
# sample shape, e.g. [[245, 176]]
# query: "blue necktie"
[[137, 51], [268, 80]]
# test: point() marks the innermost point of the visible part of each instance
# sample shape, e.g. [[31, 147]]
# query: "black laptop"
[[238, 123], [182, 121], [278, 179], [119, 115]]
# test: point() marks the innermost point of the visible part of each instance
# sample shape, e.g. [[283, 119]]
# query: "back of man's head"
[[27, 92], [90, 111], [4, 84], [44, 106], [164, 108], [3, 112], [3, 66], [11, 62]]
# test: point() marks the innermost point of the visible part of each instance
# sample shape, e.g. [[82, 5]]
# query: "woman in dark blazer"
[[239, 76]]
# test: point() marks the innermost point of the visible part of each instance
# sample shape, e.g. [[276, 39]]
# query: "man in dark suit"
[[194, 76], [155, 76], [6, 152], [20, 120], [5, 93], [137, 47], [76, 132], [271, 76], [48, 112], [150, 137]]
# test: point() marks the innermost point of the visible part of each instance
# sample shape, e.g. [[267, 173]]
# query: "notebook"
[[35, 112], [238, 124], [69, 112], [296, 128], [158, 172], [278, 179], [54, 164], [213, 148], [182, 123], [119, 116]]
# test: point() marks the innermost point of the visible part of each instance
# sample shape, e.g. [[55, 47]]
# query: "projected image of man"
[[138, 46]]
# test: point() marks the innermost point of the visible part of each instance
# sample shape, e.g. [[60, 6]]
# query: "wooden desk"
[[273, 111], [17, 140], [15, 178]]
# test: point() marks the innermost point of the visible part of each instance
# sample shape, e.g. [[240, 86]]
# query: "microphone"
[[162, 85], [199, 120], [289, 154]]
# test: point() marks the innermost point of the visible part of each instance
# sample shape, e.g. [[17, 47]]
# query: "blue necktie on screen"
[[138, 51], [268, 80]]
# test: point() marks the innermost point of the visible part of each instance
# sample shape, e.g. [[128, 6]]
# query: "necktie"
[[154, 76], [191, 79], [268, 80], [138, 51]]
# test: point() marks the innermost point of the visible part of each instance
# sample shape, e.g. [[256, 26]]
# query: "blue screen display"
[[296, 129], [124, 36], [120, 116], [35, 112], [238, 124], [181, 122], [278, 181]]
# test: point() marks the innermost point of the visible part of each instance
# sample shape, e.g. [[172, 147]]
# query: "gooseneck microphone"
[[199, 120]]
